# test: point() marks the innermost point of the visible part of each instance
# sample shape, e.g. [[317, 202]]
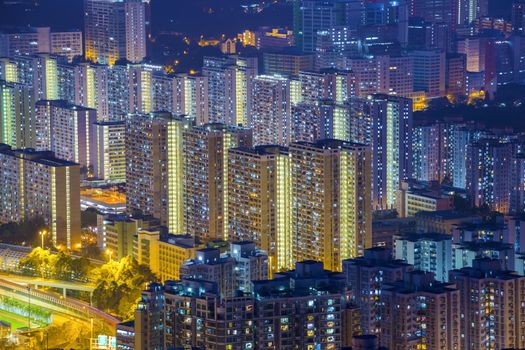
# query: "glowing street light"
[[42, 235], [110, 253]]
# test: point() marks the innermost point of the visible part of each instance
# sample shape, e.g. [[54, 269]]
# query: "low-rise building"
[[430, 252], [10, 256], [465, 253], [442, 221], [164, 253], [414, 198], [105, 200], [232, 271]]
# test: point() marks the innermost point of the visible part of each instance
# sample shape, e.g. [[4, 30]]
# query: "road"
[[38, 281], [57, 303]]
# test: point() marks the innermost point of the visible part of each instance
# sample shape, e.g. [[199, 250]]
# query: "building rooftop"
[[126, 324], [429, 236], [418, 281], [183, 241], [308, 278], [443, 214], [107, 196], [265, 150], [377, 257], [42, 157], [484, 245], [63, 104], [486, 268], [329, 144]]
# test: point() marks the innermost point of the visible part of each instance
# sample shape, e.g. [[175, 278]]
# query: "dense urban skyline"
[[262, 174]]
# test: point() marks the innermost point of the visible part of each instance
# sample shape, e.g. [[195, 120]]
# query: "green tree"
[[119, 285], [25, 232], [37, 263], [61, 266], [80, 269]]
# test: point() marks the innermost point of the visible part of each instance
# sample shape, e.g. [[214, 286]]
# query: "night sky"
[[191, 17]]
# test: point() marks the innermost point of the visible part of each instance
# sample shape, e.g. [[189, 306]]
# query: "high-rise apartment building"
[[191, 97], [439, 150], [105, 88], [230, 86], [385, 123], [17, 115], [154, 167], [9, 70], [366, 277], [149, 320], [331, 208], [270, 118], [517, 198], [67, 44], [465, 253], [116, 234], [288, 62], [36, 184], [455, 77], [419, 312], [333, 85], [232, 271], [259, 201], [489, 164], [65, 129], [38, 72], [115, 83], [314, 16], [429, 72], [308, 296], [371, 73], [85, 90], [29, 41], [192, 303], [205, 152], [149, 89], [306, 122], [108, 152], [491, 302], [305, 307], [115, 30], [481, 57]]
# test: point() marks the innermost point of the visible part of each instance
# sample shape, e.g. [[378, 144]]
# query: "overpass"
[[37, 282], [56, 302]]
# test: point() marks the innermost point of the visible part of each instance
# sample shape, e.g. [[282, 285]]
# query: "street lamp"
[[110, 253], [42, 235], [29, 308], [91, 336]]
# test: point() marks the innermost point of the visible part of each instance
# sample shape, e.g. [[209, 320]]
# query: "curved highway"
[[56, 302]]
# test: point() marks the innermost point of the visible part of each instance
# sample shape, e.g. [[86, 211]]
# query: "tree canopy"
[[119, 285], [61, 266], [24, 233]]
